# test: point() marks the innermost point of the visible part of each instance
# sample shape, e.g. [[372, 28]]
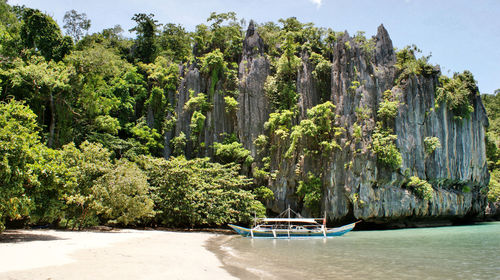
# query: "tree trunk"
[[52, 126]]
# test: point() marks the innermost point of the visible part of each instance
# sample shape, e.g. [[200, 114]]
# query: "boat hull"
[[255, 233]]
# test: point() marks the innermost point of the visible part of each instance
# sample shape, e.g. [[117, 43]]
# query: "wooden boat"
[[286, 227]]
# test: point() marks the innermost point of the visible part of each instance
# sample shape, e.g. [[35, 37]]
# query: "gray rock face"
[[354, 184], [218, 122], [253, 109], [191, 82], [306, 86]]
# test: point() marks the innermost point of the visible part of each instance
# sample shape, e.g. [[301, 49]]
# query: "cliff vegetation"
[[203, 128]]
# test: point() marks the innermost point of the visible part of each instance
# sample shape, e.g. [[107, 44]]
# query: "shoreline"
[[122, 254], [215, 244]]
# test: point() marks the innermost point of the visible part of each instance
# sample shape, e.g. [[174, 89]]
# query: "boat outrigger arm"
[[286, 227]]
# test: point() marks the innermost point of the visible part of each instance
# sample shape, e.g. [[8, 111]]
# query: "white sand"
[[124, 254]]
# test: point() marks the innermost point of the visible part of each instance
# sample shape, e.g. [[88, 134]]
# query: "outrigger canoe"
[[291, 228]]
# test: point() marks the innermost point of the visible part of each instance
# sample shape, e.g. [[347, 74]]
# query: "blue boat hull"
[[246, 232]]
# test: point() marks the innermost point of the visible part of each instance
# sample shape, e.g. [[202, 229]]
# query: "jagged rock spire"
[[253, 43], [384, 51], [251, 29]]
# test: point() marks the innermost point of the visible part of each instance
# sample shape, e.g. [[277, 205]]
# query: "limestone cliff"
[[253, 104], [355, 185]]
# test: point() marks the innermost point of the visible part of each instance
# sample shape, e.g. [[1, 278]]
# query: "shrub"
[[197, 123], [200, 193], [263, 193], [261, 142], [322, 73], [431, 144], [388, 108], [357, 132], [107, 124], [383, 145], [89, 162], [310, 191], [408, 65], [281, 88], [231, 104], [318, 133], [457, 93], [383, 141], [232, 152], [179, 144], [122, 195], [421, 188], [149, 138], [198, 102], [213, 64], [280, 121]]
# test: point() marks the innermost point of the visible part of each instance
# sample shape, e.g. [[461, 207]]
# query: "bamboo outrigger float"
[[286, 227]]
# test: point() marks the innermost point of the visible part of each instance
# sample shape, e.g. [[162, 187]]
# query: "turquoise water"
[[462, 252]]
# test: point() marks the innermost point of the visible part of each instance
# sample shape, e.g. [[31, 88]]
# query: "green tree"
[[108, 92], [162, 78], [492, 105], [55, 180], [384, 146], [383, 139], [232, 152], [407, 64], [40, 32], [214, 65], [9, 31], [145, 48], [175, 42], [92, 162], [281, 88], [122, 195], [19, 146], [47, 83], [75, 24], [227, 38]]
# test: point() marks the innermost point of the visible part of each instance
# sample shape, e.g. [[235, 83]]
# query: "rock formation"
[[253, 104], [354, 184]]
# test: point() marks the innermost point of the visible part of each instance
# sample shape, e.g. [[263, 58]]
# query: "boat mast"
[[254, 219], [289, 220]]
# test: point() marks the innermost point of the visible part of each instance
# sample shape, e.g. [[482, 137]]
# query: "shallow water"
[[461, 252]]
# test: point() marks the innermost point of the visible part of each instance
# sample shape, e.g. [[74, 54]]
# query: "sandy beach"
[[121, 254]]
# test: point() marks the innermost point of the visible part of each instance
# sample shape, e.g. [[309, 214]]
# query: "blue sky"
[[460, 34]]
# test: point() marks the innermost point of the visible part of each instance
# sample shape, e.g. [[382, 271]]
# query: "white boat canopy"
[[291, 220]]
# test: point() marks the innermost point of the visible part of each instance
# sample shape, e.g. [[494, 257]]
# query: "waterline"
[[464, 252]]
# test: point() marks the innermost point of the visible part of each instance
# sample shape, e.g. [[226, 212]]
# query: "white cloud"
[[317, 2]]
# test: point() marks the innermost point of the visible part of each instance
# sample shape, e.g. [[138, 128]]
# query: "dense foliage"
[[492, 104], [95, 105], [19, 148], [93, 131], [199, 192]]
